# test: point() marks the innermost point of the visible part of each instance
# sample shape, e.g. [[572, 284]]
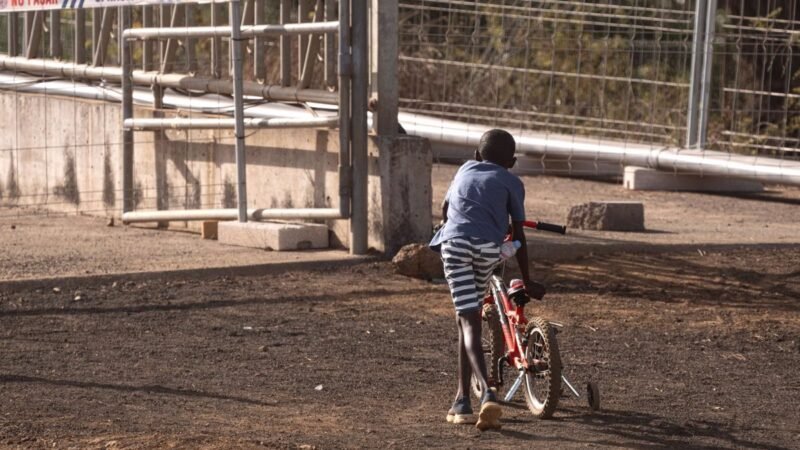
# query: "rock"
[[57, 290], [418, 261], [607, 216], [319, 387]]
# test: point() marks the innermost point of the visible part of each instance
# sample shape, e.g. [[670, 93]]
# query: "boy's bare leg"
[[469, 328], [490, 412], [464, 365]]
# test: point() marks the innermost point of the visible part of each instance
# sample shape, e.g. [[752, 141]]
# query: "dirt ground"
[[695, 344]]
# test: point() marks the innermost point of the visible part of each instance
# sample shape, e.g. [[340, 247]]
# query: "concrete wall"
[[64, 154]]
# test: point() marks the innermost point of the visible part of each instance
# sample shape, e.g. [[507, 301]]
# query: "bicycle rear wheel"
[[493, 344], [543, 379]]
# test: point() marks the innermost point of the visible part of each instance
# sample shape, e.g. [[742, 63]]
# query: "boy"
[[475, 215]]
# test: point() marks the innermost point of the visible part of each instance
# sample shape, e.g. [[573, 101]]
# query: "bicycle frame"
[[512, 318]]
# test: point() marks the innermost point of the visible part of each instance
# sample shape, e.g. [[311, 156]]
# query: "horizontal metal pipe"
[[232, 214], [223, 31], [704, 162], [191, 123], [170, 80]]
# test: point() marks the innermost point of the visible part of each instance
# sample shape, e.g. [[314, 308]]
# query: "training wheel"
[[593, 395]]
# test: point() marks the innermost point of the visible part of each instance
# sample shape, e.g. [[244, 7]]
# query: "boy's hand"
[[534, 289]]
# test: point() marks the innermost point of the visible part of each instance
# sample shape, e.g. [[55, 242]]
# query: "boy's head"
[[497, 146]]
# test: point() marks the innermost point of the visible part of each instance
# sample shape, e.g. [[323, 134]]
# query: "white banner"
[[43, 5]]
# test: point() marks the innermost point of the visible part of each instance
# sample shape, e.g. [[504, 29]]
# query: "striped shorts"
[[468, 264]]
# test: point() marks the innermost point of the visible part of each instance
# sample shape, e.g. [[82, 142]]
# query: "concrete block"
[[643, 179], [274, 235], [607, 216], [208, 229]]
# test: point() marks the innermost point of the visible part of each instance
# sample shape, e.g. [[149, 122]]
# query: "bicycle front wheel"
[[543, 378]]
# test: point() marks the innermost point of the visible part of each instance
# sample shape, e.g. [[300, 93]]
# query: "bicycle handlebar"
[[543, 226]]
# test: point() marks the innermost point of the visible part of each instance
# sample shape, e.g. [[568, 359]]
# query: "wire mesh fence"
[[611, 69], [77, 169]]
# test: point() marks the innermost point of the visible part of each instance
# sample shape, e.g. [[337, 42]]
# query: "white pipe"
[[704, 162], [192, 123], [232, 214], [74, 71], [225, 31]]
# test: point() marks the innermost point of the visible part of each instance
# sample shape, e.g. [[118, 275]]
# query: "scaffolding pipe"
[[170, 80], [248, 31], [238, 108], [142, 124], [232, 214]]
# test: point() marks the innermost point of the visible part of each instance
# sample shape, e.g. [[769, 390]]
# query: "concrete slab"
[[607, 216], [208, 229], [643, 179], [274, 235]]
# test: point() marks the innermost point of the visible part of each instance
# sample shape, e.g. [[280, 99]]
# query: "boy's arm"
[[534, 289]]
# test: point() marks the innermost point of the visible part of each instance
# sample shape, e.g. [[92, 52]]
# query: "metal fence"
[[620, 70], [185, 57]]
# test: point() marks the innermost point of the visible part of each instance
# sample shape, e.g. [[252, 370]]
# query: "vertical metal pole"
[[345, 76], [259, 70], [127, 113], [384, 65], [238, 108], [311, 52], [358, 220], [168, 57], [163, 22], [330, 47], [191, 57], [104, 37], [215, 44], [708, 67], [55, 34], [13, 34], [96, 25], [27, 26], [286, 49], [303, 8], [147, 44], [80, 36], [696, 75], [34, 35]]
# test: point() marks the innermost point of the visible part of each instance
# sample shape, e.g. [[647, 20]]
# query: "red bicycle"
[[527, 346]]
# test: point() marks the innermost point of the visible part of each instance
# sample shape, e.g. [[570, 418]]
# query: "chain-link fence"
[[613, 69]]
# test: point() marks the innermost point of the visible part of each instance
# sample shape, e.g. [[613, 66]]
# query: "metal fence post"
[[345, 76], [358, 220], [385, 22], [126, 61], [696, 74], [238, 106], [708, 68]]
